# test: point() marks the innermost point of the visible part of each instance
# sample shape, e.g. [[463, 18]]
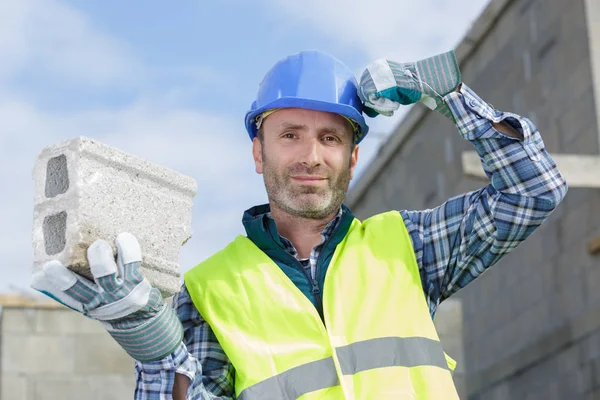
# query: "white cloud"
[[401, 30], [47, 36]]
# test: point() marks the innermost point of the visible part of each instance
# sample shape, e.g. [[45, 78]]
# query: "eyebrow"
[[301, 127], [296, 127]]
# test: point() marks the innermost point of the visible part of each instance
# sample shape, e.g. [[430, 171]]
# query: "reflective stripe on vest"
[[295, 382], [356, 357], [378, 340], [390, 352]]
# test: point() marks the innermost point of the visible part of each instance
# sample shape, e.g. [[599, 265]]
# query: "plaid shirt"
[[453, 243]]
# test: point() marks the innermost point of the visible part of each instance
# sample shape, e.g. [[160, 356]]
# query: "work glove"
[[120, 298], [385, 85]]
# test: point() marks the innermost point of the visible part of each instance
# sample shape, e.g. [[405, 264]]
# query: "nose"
[[311, 155]]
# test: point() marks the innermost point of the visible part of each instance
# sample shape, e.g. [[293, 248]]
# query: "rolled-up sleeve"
[[457, 241], [200, 357]]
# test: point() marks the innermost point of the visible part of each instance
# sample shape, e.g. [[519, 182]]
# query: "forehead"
[[309, 118]]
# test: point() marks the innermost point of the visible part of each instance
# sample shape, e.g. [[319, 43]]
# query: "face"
[[307, 160]]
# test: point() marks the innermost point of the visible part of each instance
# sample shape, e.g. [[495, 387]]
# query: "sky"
[[171, 82]]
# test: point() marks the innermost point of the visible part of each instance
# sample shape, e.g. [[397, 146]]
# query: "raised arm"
[[460, 239]]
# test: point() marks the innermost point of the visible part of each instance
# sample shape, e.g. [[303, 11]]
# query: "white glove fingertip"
[[382, 75], [39, 281], [429, 102], [128, 248], [58, 275], [382, 105], [42, 284], [101, 259]]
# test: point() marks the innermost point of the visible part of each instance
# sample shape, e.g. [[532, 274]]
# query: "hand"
[[131, 310], [385, 85]]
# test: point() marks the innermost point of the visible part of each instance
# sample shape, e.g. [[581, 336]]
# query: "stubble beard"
[[308, 202]]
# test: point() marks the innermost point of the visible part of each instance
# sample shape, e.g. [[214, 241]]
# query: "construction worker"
[[312, 303]]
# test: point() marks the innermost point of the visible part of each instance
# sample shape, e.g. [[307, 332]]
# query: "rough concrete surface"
[[52, 353], [86, 190]]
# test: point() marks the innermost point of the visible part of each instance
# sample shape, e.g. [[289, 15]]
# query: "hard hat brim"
[[308, 104]]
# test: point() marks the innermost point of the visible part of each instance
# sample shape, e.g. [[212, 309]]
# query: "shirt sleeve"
[[199, 357], [457, 241]]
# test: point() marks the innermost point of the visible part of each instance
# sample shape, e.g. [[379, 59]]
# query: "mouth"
[[309, 180]]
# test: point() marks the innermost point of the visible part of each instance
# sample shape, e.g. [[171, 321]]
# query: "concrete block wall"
[[449, 323], [56, 354], [543, 299]]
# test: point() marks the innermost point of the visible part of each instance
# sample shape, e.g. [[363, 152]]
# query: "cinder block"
[[18, 320], [121, 386], [86, 190], [64, 387], [32, 354], [577, 118], [99, 354], [65, 322], [13, 387]]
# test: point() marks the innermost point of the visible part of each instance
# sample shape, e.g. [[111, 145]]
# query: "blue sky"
[[171, 82]]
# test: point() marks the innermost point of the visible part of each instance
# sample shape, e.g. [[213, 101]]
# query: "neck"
[[304, 233]]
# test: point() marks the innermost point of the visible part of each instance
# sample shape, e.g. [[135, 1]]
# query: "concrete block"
[[121, 387], [100, 354], [36, 354], [582, 379], [13, 387], [577, 117], [503, 30], [586, 142], [592, 284], [85, 190], [64, 387], [448, 317], [570, 299], [568, 268], [563, 93], [550, 134], [575, 198], [65, 322], [18, 320], [532, 93], [596, 375], [578, 225]]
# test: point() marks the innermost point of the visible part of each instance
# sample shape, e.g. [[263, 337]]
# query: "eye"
[[331, 138], [288, 135]]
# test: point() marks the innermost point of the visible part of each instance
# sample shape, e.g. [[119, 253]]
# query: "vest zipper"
[[315, 290], [318, 299]]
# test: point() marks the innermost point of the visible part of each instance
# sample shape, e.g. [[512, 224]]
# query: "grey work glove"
[[130, 309], [385, 85]]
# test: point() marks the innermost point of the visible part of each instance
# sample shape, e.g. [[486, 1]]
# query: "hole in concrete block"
[[55, 228], [57, 176]]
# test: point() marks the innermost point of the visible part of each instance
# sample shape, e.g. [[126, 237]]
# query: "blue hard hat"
[[311, 80]]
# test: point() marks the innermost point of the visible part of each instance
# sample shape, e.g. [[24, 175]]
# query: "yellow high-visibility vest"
[[378, 340]]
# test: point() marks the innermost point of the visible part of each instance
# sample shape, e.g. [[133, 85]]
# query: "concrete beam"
[[582, 171], [592, 14]]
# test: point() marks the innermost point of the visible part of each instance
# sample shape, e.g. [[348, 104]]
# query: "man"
[[313, 303]]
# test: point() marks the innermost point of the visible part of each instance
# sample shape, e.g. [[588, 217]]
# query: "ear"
[[353, 161], [257, 155]]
